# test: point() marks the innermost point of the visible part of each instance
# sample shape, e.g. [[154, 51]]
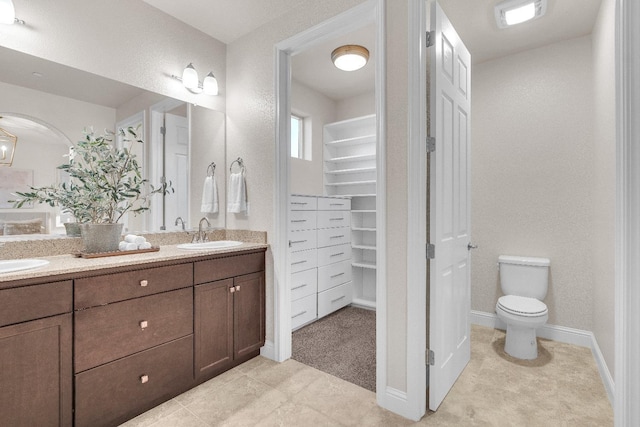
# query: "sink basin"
[[210, 246], [9, 266]]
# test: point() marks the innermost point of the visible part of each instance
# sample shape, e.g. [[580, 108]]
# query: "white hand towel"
[[237, 195], [145, 245], [209, 196], [132, 238]]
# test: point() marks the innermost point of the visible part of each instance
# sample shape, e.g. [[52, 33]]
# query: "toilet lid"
[[522, 305]]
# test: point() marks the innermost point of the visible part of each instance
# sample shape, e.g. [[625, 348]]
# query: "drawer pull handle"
[[298, 220], [337, 275], [338, 299], [336, 237], [144, 324], [336, 219], [237, 288], [232, 289], [338, 254], [299, 203], [293, 242], [336, 204], [144, 379], [298, 262], [144, 283], [298, 287], [299, 314]]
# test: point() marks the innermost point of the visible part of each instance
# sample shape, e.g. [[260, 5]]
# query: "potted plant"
[[105, 182]]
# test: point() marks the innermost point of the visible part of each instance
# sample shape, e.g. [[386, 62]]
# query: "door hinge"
[[429, 357], [431, 38], [431, 144], [431, 251]]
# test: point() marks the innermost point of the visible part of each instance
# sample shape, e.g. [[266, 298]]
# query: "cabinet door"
[[213, 327], [35, 373], [248, 314]]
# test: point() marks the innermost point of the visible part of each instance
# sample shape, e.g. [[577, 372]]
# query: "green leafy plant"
[[105, 182]]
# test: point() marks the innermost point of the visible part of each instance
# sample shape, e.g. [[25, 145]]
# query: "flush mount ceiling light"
[[190, 81], [350, 57], [8, 13], [512, 12]]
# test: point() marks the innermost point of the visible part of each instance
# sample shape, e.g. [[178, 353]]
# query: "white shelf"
[[363, 229], [366, 139], [365, 247], [357, 211], [338, 184], [353, 195], [364, 264], [350, 171], [356, 158]]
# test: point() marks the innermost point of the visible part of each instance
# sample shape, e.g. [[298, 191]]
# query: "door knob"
[[470, 246]]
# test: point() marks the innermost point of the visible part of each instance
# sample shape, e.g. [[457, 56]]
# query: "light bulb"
[[210, 84], [520, 14], [7, 12], [190, 77]]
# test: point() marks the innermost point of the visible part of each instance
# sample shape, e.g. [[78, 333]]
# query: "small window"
[[297, 137]]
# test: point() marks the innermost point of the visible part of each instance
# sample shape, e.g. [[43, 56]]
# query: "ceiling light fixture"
[[512, 12], [8, 144], [8, 13], [350, 57], [190, 81]]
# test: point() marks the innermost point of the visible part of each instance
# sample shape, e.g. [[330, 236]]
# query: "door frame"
[[371, 11]]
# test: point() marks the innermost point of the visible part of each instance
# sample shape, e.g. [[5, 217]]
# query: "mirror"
[[47, 106]]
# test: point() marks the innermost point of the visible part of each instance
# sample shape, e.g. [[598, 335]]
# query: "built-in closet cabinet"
[[350, 171]]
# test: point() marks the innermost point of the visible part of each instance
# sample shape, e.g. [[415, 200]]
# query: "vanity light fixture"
[[512, 12], [350, 57], [190, 81], [8, 13], [8, 144]]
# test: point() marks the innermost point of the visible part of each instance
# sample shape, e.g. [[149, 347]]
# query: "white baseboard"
[[268, 350], [561, 334]]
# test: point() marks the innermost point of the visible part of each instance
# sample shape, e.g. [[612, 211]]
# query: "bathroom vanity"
[[98, 345]]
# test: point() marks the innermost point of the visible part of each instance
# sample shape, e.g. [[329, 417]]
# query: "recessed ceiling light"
[[513, 12], [350, 57]]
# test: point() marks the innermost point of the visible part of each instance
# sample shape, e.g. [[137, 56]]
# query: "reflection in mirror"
[[180, 139]]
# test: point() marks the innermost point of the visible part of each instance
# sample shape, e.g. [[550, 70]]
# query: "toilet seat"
[[522, 306]]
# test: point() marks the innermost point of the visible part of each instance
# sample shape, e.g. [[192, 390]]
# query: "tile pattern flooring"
[[560, 388]]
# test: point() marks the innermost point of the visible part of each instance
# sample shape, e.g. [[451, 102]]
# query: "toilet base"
[[521, 342]]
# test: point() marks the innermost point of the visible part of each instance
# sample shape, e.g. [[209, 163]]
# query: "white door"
[[176, 158], [449, 221]]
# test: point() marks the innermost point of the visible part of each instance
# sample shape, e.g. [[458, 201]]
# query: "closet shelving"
[[350, 171]]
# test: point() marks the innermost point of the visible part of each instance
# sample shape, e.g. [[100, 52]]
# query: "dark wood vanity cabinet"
[[35, 355]]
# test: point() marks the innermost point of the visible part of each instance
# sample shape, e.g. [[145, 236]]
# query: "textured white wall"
[[604, 171], [361, 105], [532, 173]]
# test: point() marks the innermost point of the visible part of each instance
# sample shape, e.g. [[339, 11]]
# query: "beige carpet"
[[342, 344]]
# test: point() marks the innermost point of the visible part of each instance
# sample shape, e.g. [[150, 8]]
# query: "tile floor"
[[561, 388]]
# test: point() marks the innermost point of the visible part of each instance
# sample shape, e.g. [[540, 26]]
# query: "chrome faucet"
[[181, 221], [201, 237]]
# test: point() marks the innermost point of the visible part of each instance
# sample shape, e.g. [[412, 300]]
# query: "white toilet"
[[524, 281]]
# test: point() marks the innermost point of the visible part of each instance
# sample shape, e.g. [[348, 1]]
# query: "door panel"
[[449, 221]]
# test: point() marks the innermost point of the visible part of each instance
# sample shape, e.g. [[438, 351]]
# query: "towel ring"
[[240, 163], [211, 169]]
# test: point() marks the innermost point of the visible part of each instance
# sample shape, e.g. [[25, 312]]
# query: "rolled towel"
[[132, 238], [122, 245], [145, 245], [131, 247]]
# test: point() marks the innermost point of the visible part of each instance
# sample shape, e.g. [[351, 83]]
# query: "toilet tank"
[[524, 276]]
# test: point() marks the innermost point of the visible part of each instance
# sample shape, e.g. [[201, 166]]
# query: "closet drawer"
[[334, 219], [333, 204], [113, 393], [333, 254], [302, 220], [334, 299], [334, 236], [303, 203], [106, 333], [333, 275], [35, 302], [302, 240], [304, 283], [304, 260], [303, 311], [100, 290]]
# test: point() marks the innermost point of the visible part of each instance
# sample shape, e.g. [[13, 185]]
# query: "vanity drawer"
[[113, 393], [332, 254], [302, 240], [303, 284], [334, 299], [226, 267], [333, 275], [304, 260], [333, 204], [333, 236], [108, 288], [106, 333], [303, 311], [302, 220], [333, 219], [303, 203], [35, 302]]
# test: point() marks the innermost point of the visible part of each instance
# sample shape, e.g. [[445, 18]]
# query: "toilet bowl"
[[524, 280]]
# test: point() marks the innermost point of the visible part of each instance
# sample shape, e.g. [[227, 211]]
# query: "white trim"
[[395, 400], [268, 350], [562, 334], [627, 329], [416, 209]]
